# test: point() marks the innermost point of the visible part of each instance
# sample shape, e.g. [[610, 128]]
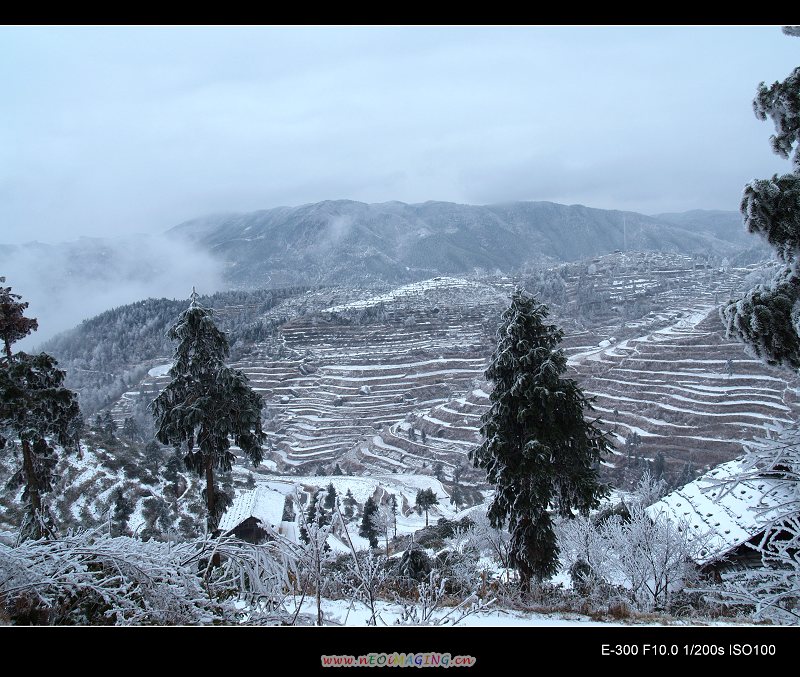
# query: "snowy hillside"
[[393, 381], [342, 241]]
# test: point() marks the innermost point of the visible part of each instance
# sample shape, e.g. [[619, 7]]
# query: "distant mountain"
[[722, 225], [725, 225], [343, 242], [346, 241]]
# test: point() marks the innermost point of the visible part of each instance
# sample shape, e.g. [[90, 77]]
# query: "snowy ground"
[[354, 614]]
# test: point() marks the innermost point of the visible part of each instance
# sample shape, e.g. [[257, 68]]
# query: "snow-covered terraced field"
[[402, 389], [686, 390]]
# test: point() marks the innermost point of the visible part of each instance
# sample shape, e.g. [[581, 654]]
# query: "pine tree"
[[121, 513], [315, 514], [659, 465], [767, 321], [767, 318], [367, 529], [109, 427], [318, 522], [206, 404], [130, 429], [288, 510], [426, 499], [393, 508], [350, 504], [538, 451], [330, 497], [36, 409], [13, 323]]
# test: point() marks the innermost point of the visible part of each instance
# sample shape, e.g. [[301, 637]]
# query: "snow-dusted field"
[[406, 392]]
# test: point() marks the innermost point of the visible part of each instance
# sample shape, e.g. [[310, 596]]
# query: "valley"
[[392, 382]]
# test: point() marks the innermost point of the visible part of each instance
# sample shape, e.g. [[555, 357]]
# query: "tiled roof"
[[263, 503], [725, 513]]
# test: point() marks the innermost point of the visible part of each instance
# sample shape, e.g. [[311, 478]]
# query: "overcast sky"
[[115, 130]]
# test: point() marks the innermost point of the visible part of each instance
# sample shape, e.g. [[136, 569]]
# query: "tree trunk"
[[524, 580], [426, 517], [31, 480], [210, 504], [213, 531], [319, 588]]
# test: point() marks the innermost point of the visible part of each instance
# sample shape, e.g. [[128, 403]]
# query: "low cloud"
[[69, 282]]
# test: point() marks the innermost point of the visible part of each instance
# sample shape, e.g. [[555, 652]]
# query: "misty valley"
[[374, 393]]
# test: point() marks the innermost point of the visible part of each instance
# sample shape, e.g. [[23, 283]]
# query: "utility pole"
[[624, 233]]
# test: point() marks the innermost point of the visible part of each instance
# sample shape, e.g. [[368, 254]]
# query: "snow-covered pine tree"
[[426, 499], [767, 321], [121, 512], [330, 497], [350, 504], [539, 451], [36, 409], [767, 318], [315, 514], [393, 508], [206, 404], [13, 323], [367, 529]]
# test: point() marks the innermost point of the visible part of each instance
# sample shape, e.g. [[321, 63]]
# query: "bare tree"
[[771, 590], [316, 553], [91, 578], [429, 608], [652, 555], [649, 554], [365, 574], [382, 520]]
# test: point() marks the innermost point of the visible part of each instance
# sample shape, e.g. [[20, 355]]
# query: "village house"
[[726, 517], [255, 514]]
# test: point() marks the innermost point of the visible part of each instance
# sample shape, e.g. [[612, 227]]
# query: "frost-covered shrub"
[[363, 577], [649, 557], [434, 536], [430, 604], [414, 565], [92, 579]]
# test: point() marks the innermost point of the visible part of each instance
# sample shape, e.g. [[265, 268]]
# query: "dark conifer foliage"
[[121, 513], [368, 529], [426, 499], [350, 504], [35, 409], [539, 451], [767, 318], [330, 497], [315, 515], [13, 323], [206, 404]]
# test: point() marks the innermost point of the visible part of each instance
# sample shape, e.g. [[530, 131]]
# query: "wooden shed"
[[255, 514]]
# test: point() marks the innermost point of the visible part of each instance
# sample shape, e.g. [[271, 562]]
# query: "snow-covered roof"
[[724, 514], [263, 503]]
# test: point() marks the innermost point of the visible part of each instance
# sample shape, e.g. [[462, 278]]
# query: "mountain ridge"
[[347, 240]]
